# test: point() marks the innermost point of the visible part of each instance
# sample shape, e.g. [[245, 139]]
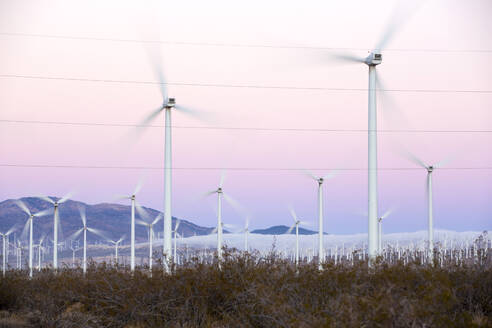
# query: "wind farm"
[[243, 187]]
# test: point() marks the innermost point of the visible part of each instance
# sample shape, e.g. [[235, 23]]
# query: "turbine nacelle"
[[373, 59], [219, 191], [430, 169], [171, 102]]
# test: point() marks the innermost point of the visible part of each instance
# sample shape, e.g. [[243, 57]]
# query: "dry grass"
[[250, 291]]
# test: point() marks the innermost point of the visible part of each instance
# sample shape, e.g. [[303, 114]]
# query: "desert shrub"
[[251, 291]]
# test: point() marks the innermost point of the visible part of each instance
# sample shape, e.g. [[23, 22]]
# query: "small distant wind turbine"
[[4, 253], [297, 222], [134, 205], [430, 216], [84, 229], [220, 193], [380, 229], [372, 60], [246, 234], [320, 181], [150, 226], [56, 223], [40, 248], [29, 225], [176, 234], [116, 243]]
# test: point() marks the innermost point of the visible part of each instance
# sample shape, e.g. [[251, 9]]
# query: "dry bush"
[[251, 291]]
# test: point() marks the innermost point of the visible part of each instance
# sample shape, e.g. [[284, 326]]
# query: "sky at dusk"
[[437, 69]]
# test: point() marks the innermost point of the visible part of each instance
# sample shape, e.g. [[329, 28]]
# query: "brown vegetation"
[[250, 291]]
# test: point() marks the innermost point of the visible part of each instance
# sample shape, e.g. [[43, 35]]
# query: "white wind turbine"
[[380, 229], [150, 226], [167, 105], [4, 249], [29, 225], [84, 229], [56, 223], [320, 181], [246, 234], [219, 229], [40, 248], [430, 214], [116, 244], [372, 60], [134, 206], [176, 234], [297, 222]]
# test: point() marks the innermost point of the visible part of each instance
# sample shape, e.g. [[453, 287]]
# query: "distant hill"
[[112, 219], [281, 229]]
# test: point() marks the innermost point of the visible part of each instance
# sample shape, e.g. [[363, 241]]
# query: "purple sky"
[[462, 197]]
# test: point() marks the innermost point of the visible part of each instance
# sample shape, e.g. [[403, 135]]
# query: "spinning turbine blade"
[[234, 203], [177, 225], [289, 231], [398, 19], [47, 199], [142, 223], [75, 234], [411, 157], [82, 215], [347, 58], [99, 233], [138, 187], [222, 179], [293, 213], [310, 174], [157, 219], [149, 118], [23, 206], [25, 229], [65, 198], [141, 211], [331, 175], [45, 212], [387, 213]]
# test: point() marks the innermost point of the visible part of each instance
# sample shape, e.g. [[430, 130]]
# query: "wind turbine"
[[380, 229], [29, 224], [150, 226], [56, 224], [246, 234], [297, 222], [430, 214], [4, 252], [220, 193], [372, 60], [116, 243], [320, 181], [40, 247], [84, 229], [167, 105], [134, 205], [176, 234]]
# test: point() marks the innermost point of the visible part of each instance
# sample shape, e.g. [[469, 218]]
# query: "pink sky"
[[462, 197]]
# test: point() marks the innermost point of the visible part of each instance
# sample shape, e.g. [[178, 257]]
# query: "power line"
[[238, 86], [239, 128], [232, 168], [237, 45]]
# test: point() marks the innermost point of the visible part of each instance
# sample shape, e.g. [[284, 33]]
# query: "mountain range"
[[112, 219]]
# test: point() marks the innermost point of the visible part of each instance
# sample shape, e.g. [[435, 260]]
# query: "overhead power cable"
[[237, 86], [237, 45], [61, 166], [238, 128]]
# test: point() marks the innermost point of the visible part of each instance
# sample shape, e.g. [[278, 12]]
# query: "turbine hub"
[[171, 102], [374, 59], [430, 169], [219, 191]]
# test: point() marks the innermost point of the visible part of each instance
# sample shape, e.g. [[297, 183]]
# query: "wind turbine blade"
[[398, 19], [222, 178], [214, 231], [289, 231], [305, 223], [177, 225], [346, 58], [229, 226], [121, 239], [22, 206], [142, 223], [149, 118], [158, 217], [412, 158], [234, 203], [121, 197], [310, 174], [138, 187], [208, 193], [66, 197], [47, 199], [45, 212], [82, 215], [444, 162], [387, 213], [75, 234], [246, 225], [293, 213], [25, 229], [12, 229], [331, 175], [141, 211], [154, 55], [99, 233]]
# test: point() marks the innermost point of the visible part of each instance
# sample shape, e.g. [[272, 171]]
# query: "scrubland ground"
[[252, 291]]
